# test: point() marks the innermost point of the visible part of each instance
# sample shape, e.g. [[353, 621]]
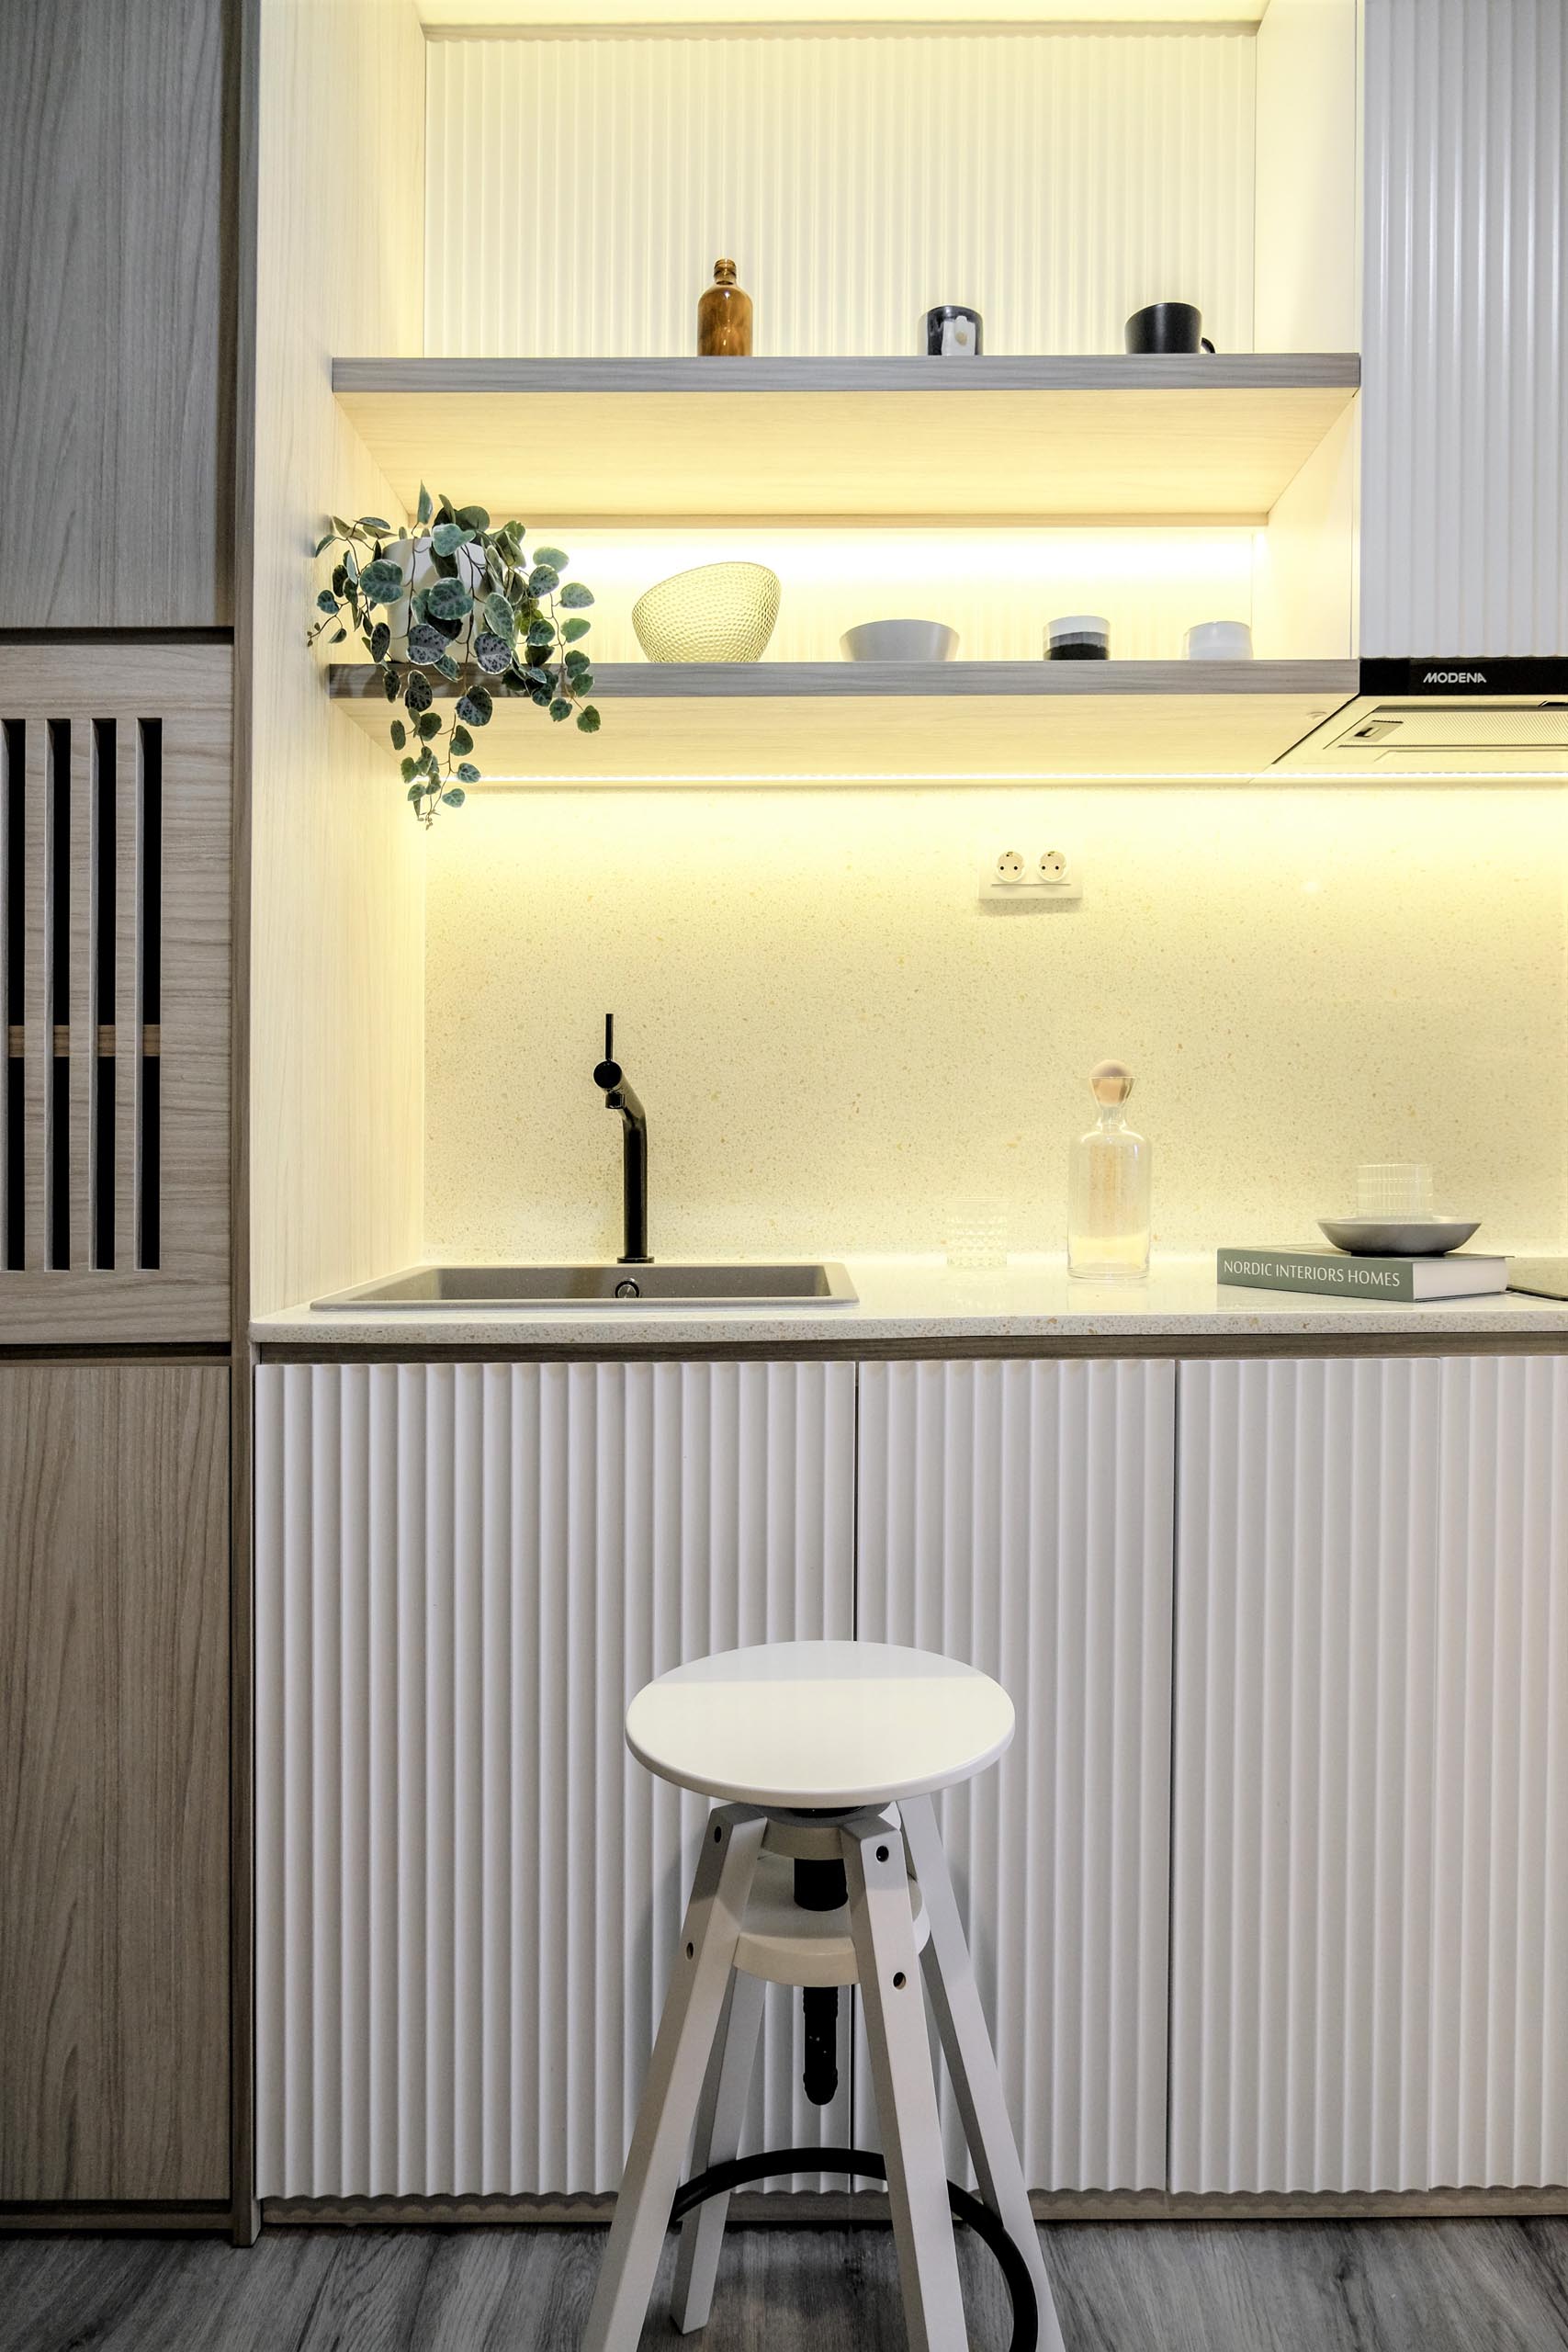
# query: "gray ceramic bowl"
[[899, 641], [1377, 1237]]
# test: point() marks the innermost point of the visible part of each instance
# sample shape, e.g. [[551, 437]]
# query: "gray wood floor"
[[1481, 2286]]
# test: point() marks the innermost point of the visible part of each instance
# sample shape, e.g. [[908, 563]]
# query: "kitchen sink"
[[653, 1285]]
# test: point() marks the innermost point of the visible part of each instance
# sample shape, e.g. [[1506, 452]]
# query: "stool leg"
[[720, 2121], [712, 1930], [971, 2062], [889, 1976]]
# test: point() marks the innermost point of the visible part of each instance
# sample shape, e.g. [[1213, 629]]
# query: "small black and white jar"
[[1077, 637]]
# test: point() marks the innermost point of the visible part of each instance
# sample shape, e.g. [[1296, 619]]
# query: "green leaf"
[[392, 685], [425, 644], [491, 652], [446, 666], [541, 695], [425, 509], [538, 678], [555, 558], [514, 534], [416, 792], [350, 564], [576, 660], [337, 637], [410, 768], [447, 631], [429, 726], [559, 710], [542, 579], [499, 616], [448, 599], [380, 640], [322, 545], [473, 518], [456, 797], [400, 734], [583, 682], [448, 538], [572, 630], [326, 601], [381, 583], [373, 522], [574, 596], [417, 602], [541, 633], [588, 720], [462, 741], [418, 695], [467, 773], [476, 707]]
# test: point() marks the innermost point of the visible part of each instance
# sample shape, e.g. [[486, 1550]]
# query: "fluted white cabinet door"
[[1018, 1514], [467, 1892], [1370, 1904]]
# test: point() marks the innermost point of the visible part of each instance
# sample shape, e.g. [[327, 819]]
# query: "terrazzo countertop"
[[1029, 1302]]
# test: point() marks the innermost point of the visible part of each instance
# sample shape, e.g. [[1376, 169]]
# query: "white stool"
[[827, 1752]]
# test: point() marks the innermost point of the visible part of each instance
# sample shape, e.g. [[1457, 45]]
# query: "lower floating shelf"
[[956, 722]]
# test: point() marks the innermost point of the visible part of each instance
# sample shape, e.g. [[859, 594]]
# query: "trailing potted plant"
[[456, 601]]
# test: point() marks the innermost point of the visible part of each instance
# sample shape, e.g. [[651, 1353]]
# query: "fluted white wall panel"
[[580, 190], [1369, 1901], [1019, 1515], [467, 1892], [1464, 479]]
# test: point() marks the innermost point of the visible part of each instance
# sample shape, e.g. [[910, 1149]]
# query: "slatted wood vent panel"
[[114, 988]]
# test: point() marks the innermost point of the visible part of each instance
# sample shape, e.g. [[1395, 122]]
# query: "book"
[[1461, 1274]]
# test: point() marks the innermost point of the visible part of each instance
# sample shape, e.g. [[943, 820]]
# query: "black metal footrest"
[[742, 2170]]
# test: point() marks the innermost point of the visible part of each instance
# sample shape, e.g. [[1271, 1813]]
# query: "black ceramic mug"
[[1167, 326], [945, 314]]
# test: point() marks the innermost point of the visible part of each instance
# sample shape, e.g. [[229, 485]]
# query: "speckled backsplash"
[[836, 1041]]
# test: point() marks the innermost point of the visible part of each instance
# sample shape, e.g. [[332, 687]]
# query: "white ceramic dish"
[[899, 641], [1218, 641], [1382, 1236]]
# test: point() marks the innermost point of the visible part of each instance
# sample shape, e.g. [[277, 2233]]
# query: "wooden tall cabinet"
[[119, 145], [114, 1889]]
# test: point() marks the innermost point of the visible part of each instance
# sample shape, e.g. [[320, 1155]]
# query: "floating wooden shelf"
[[558, 441], [957, 722]]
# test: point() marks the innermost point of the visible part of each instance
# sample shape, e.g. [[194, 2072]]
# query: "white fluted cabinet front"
[[1018, 1514], [1370, 1904], [467, 1892]]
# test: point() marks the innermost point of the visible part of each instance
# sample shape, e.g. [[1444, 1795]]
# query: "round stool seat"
[[819, 1725]]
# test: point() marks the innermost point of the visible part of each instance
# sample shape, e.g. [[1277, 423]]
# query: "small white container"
[[1218, 641], [899, 641]]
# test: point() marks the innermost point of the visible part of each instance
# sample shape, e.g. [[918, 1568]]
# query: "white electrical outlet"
[[1045, 877]]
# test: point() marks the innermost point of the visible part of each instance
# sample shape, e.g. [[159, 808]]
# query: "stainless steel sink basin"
[[629, 1286]]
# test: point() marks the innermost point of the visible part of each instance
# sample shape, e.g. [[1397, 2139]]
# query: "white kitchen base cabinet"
[[468, 1894], [1018, 1514], [1370, 1916]]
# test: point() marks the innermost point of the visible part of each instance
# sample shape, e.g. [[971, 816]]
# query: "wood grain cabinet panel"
[[114, 2006], [115, 966], [117, 128]]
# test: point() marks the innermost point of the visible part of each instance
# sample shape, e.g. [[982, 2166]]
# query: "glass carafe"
[[1108, 1188]]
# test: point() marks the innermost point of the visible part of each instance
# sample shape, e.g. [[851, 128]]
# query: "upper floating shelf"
[[950, 722], [1015, 440]]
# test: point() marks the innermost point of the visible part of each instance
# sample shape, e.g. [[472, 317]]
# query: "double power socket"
[[1046, 877]]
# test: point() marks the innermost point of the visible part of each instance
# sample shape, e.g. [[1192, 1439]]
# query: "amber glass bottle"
[[724, 317]]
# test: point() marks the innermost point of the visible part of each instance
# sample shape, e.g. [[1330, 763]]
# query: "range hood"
[[1446, 717]]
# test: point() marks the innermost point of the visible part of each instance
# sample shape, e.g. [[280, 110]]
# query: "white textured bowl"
[[1219, 641], [899, 641], [719, 612], [1393, 1237]]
